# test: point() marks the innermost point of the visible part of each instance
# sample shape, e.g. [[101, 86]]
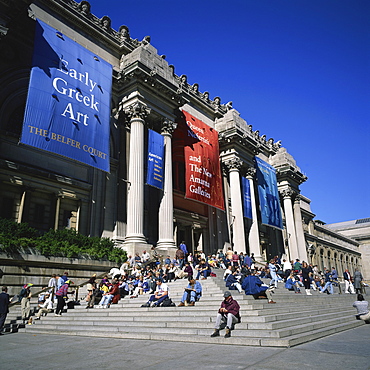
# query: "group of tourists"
[[148, 275]]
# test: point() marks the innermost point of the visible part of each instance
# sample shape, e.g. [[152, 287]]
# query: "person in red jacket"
[[228, 313]]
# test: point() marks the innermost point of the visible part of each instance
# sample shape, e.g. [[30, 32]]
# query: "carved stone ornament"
[[137, 111], [250, 172], [168, 127], [288, 193], [233, 164]]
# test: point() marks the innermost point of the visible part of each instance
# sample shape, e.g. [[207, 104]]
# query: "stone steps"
[[295, 319]]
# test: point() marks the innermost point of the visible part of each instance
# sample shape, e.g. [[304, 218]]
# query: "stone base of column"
[[166, 248], [133, 247]]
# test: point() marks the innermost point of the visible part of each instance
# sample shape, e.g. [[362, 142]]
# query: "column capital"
[[233, 164], [137, 110], [168, 127], [250, 173], [288, 193], [298, 198]]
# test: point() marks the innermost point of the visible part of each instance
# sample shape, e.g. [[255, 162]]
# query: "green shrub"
[[15, 237]]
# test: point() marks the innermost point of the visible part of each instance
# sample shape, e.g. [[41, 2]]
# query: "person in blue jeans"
[[203, 269], [192, 293], [160, 294], [328, 283]]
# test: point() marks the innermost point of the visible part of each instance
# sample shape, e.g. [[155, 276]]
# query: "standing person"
[[348, 282], [362, 307], [184, 248], [273, 273], [25, 298], [306, 277], [52, 284], [287, 268], [61, 295], [228, 313], [357, 279], [91, 288], [180, 255], [4, 307]]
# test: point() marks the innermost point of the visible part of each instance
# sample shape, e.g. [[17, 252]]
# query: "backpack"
[[167, 303]]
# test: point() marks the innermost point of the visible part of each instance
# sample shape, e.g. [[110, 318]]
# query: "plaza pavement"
[[343, 351]]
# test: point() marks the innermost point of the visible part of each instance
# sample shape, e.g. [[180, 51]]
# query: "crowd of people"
[[150, 274]]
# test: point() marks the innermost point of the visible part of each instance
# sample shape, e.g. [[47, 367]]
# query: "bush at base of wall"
[[18, 237]]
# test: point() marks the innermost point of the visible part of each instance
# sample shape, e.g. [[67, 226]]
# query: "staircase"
[[294, 319]]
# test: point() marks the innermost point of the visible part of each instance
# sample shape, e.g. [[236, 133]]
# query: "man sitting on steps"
[[228, 313], [192, 293], [160, 294]]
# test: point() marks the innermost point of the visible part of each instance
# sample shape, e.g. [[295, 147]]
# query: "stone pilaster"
[[233, 165], [254, 236], [136, 113], [166, 240], [290, 225], [301, 242]]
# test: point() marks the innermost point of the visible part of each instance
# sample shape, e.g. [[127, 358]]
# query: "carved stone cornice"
[[168, 127], [137, 111], [233, 164]]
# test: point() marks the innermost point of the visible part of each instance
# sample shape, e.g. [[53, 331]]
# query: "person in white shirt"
[[160, 294], [46, 307], [145, 257]]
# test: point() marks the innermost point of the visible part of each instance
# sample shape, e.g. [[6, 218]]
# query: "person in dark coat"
[[4, 307], [357, 279], [253, 285], [228, 313]]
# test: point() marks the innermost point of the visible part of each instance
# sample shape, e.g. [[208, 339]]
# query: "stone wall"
[[37, 269]]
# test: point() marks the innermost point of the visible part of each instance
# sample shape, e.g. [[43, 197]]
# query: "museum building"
[[99, 134]]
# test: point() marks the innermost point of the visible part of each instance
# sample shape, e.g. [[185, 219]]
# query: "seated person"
[[113, 295], [186, 272], [160, 294], [192, 293], [292, 284], [362, 307], [252, 285], [124, 288], [228, 271], [203, 269], [233, 283], [45, 307]]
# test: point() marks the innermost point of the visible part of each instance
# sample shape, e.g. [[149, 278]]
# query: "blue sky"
[[297, 70]]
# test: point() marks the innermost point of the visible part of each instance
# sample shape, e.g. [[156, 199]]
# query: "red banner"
[[203, 179]]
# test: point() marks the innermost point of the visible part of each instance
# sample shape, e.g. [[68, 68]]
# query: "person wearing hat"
[[25, 298], [228, 313], [61, 295]]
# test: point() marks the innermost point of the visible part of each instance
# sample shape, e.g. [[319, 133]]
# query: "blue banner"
[[68, 102], [155, 159], [247, 204], [268, 194]]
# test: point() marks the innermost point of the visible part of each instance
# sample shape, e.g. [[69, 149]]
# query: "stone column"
[[254, 235], [21, 206], [234, 165], [136, 112], [56, 217], [165, 228], [302, 250], [290, 227]]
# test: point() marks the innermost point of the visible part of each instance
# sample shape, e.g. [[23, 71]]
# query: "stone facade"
[[50, 191]]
